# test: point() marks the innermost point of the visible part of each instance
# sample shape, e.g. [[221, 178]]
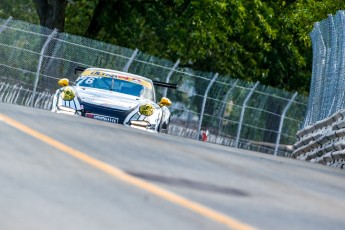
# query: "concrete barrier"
[[323, 142], [16, 94]]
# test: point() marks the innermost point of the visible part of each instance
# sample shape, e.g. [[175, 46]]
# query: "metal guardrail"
[[19, 95], [264, 147], [323, 142]]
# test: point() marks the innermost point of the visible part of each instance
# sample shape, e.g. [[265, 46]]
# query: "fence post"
[[169, 75], [135, 53], [51, 36], [221, 112], [2, 28], [242, 113], [204, 103], [282, 118], [340, 103]]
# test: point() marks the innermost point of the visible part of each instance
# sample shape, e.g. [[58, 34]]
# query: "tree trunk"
[[51, 13], [95, 25], [272, 121]]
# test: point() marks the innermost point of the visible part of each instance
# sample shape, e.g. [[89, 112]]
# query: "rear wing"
[[164, 84], [156, 83], [79, 69]]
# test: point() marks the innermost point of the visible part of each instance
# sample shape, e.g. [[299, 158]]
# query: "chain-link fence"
[[327, 91], [233, 112]]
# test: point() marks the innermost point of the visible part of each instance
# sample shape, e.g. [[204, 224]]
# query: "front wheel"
[[164, 127]]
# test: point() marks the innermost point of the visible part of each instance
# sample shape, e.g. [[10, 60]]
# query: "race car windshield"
[[117, 85]]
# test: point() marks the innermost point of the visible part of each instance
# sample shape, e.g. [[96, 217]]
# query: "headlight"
[[67, 94], [147, 109]]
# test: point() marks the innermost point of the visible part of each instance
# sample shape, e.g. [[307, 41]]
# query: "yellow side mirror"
[[63, 82], [164, 102]]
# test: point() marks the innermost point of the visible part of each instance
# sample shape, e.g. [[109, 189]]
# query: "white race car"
[[116, 97]]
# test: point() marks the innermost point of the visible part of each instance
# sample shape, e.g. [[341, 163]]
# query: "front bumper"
[[133, 119]]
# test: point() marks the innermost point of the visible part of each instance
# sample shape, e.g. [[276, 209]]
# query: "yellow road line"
[[121, 175]]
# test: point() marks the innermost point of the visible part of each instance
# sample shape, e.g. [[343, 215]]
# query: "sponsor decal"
[[137, 81], [102, 74], [102, 118], [124, 78]]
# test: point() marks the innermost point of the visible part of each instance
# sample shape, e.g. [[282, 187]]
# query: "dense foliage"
[[256, 40], [22, 10]]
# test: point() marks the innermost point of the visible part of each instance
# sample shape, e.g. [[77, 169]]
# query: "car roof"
[[118, 73]]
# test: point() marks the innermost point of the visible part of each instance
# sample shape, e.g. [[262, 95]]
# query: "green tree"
[[256, 40], [51, 13], [290, 60], [20, 10], [243, 39], [223, 36]]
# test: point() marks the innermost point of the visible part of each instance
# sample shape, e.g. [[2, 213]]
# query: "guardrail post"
[[204, 103], [242, 113], [165, 90], [282, 118], [51, 36], [129, 63], [3, 26], [221, 112]]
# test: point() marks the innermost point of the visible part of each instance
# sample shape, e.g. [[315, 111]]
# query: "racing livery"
[[116, 97]]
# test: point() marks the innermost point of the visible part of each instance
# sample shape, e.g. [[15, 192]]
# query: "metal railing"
[[241, 114]]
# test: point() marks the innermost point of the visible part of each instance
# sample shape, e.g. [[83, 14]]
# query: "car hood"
[[108, 98]]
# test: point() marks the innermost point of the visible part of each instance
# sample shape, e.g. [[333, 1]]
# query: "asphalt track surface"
[[65, 172]]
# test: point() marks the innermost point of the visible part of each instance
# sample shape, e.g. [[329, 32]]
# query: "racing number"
[[89, 80]]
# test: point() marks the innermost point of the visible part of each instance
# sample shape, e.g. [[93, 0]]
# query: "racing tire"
[[164, 127]]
